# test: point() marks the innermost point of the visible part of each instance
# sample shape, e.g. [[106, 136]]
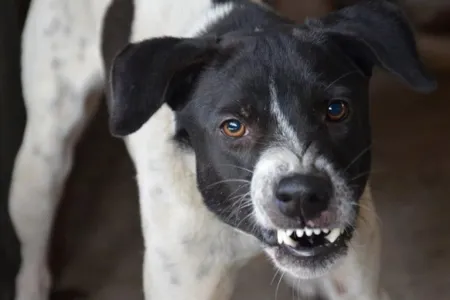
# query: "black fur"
[[116, 31], [226, 72]]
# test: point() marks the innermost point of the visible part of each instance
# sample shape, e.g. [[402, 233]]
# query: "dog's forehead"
[[298, 55], [270, 68]]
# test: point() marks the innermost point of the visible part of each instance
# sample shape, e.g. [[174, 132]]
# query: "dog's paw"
[[33, 282]]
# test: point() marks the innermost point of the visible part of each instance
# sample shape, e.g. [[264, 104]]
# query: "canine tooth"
[[289, 241], [326, 230], [317, 231], [280, 236], [289, 232], [334, 234], [308, 231], [299, 232]]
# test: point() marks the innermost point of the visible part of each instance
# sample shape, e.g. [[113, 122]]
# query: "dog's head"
[[278, 119]]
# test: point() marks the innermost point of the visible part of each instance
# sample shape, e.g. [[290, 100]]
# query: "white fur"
[[61, 67], [286, 132], [189, 254]]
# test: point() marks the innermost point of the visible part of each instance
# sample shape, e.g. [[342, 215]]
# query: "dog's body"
[[190, 250]]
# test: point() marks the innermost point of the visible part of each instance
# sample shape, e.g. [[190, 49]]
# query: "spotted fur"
[[191, 251]]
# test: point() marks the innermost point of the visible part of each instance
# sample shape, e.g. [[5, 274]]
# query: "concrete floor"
[[97, 247]]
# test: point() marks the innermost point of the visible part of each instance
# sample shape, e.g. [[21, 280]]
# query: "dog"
[[248, 133]]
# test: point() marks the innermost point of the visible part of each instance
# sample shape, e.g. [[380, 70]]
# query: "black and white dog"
[[248, 133]]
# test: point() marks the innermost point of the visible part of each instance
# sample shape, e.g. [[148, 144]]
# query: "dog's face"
[[278, 120], [282, 141]]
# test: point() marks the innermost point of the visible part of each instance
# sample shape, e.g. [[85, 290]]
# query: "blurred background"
[[97, 249]]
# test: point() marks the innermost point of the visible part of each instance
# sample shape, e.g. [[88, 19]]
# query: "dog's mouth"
[[309, 242]]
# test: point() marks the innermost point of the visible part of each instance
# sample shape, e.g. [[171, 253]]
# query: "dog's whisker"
[[278, 285], [360, 175], [253, 223], [244, 219], [227, 181], [358, 157], [370, 210], [234, 197], [237, 167], [231, 196], [244, 203], [275, 275], [370, 172], [239, 199], [240, 204]]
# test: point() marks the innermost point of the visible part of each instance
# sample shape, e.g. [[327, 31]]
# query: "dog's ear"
[[150, 73], [377, 33]]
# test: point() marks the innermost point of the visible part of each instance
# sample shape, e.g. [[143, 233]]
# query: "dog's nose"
[[304, 196]]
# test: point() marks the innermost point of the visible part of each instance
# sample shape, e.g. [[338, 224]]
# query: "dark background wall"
[[12, 122]]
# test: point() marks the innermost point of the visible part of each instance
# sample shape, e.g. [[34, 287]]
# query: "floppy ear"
[[148, 74], [376, 32]]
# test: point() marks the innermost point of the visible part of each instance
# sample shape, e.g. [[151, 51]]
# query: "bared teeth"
[[333, 235], [289, 241], [308, 231], [285, 238], [289, 236], [280, 236]]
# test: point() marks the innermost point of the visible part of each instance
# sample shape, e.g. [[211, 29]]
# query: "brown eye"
[[337, 110], [233, 128]]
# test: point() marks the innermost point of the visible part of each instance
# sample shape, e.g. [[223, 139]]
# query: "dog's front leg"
[[58, 77]]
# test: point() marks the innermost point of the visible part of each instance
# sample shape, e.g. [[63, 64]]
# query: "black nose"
[[303, 196]]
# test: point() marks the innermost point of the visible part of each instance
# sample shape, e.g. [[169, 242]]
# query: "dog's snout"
[[303, 196]]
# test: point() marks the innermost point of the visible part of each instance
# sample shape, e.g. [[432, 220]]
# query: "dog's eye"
[[337, 110], [233, 128]]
